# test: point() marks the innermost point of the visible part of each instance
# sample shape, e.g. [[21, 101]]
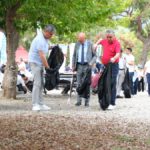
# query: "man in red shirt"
[[111, 52]]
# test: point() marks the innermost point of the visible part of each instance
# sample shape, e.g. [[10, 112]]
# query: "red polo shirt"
[[110, 50]]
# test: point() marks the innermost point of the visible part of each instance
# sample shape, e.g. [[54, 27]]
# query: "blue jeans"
[[131, 74], [148, 81], [136, 86], [115, 70]]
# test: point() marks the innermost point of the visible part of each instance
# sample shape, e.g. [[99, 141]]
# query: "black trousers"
[[21, 88], [29, 85], [67, 88], [141, 85]]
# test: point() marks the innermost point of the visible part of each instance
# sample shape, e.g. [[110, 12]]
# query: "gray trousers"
[[38, 77], [81, 70], [120, 79], [145, 83]]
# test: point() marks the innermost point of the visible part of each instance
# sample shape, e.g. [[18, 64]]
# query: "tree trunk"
[[144, 54], [10, 76]]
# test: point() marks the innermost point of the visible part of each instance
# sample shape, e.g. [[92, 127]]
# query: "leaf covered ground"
[[56, 132]]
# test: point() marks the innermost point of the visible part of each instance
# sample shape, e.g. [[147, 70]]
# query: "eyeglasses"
[[80, 41], [109, 37]]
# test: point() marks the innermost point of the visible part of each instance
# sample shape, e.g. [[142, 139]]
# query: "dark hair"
[[68, 63], [130, 49], [22, 75], [121, 50]]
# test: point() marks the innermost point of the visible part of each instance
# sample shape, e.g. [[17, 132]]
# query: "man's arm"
[[27, 89], [23, 68], [74, 59], [43, 58], [96, 44], [94, 54], [131, 63], [144, 71], [115, 57]]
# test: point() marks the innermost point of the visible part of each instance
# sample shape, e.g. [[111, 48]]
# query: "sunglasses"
[[109, 37]]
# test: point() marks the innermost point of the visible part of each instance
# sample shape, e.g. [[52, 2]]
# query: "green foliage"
[[67, 17]]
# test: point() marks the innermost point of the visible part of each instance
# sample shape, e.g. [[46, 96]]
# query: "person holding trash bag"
[[130, 65], [84, 57], [111, 53], [37, 61]]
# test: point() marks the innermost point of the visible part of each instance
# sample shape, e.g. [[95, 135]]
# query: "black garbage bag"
[[105, 87], [126, 85], [83, 88], [55, 61]]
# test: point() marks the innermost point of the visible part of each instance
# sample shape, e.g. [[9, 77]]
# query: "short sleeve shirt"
[[130, 58], [20, 81], [98, 66], [38, 44], [147, 66], [21, 66], [110, 50]]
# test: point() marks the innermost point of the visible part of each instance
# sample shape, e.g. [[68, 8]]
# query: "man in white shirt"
[[21, 85], [121, 74], [130, 65], [147, 69], [21, 66]]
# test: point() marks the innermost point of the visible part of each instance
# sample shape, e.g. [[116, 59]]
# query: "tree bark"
[[10, 76], [144, 54]]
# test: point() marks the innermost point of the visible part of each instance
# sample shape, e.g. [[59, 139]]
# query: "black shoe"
[[86, 104], [118, 96], [78, 104]]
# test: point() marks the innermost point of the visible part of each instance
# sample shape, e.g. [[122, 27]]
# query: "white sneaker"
[[44, 107], [36, 108], [111, 107], [114, 106]]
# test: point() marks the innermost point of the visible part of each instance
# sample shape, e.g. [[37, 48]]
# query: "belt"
[[121, 69], [82, 64]]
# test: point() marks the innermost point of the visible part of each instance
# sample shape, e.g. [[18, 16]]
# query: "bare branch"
[[148, 35], [116, 15], [21, 16], [131, 12], [147, 25], [140, 16], [139, 31]]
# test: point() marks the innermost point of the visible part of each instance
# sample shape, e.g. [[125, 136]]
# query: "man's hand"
[[95, 47], [73, 69], [29, 91], [112, 60], [51, 47], [90, 64]]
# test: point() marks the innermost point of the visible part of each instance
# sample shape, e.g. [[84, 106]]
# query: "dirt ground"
[[66, 127]]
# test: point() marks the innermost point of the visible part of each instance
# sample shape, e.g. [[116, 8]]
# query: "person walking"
[[121, 74], [135, 80], [37, 61], [130, 65], [147, 69], [111, 53], [83, 56]]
